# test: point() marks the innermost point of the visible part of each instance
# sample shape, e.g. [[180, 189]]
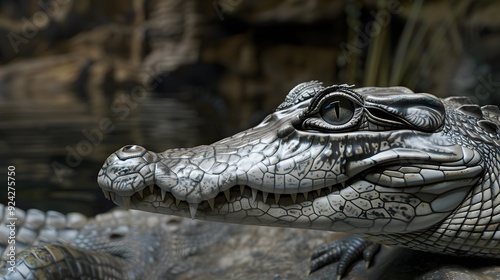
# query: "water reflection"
[[58, 147]]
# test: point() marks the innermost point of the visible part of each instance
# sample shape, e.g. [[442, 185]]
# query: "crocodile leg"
[[345, 251]]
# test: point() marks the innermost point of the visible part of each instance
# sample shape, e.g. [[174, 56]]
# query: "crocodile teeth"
[[254, 194], [112, 195], [305, 195], [141, 193], [163, 194], [126, 201], [106, 194], [151, 188], [177, 201], [193, 207], [319, 192], [226, 193], [242, 188], [330, 188], [211, 203], [343, 184], [277, 197], [264, 196], [294, 198]]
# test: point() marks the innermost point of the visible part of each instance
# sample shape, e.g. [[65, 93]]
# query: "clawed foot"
[[346, 252]]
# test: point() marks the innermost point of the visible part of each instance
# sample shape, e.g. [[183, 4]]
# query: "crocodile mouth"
[[222, 200], [434, 179]]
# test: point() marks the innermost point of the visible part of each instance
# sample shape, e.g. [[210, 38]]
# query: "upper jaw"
[[169, 176]]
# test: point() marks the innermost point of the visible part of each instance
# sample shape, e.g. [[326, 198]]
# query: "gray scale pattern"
[[394, 166]]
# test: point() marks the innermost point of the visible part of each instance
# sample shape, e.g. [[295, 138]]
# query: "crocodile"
[[119, 244], [387, 164]]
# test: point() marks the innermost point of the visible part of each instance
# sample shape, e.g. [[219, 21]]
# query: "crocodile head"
[[367, 160]]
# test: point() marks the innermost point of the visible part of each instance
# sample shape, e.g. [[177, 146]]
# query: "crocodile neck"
[[474, 224]]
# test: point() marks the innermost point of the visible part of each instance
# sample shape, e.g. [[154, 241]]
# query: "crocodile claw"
[[346, 252]]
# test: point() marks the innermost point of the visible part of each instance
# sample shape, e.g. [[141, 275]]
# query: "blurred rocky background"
[[80, 79]]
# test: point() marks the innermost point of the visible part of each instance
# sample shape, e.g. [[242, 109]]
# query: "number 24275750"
[[11, 186]]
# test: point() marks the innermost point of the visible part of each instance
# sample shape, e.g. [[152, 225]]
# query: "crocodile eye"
[[337, 110]]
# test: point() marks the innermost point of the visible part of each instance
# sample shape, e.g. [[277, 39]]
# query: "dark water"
[[57, 150]]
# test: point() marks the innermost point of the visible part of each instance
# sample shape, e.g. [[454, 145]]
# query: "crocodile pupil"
[[337, 110]]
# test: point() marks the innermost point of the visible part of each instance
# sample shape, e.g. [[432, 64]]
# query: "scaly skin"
[[385, 163], [116, 245]]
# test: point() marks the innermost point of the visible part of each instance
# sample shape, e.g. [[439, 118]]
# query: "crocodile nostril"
[[129, 152], [131, 148]]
